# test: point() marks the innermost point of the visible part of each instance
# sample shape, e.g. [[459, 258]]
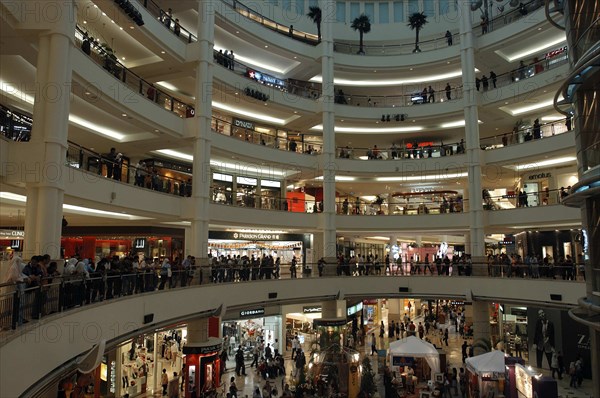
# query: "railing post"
[[16, 307]]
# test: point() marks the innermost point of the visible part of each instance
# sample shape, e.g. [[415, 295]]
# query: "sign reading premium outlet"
[[252, 236]]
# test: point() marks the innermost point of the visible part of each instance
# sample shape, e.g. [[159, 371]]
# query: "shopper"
[[373, 344], [448, 91], [164, 381], [448, 36]]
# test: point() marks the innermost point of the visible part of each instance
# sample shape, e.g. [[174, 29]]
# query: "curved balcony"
[[75, 330]]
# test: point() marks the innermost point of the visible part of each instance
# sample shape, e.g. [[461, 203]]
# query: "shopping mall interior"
[[308, 198]]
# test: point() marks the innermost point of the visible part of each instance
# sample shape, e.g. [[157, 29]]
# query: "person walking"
[[373, 344], [448, 92], [164, 381], [448, 37]]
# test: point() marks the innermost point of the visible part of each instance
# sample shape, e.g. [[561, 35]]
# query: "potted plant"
[[362, 24], [416, 22], [367, 379], [315, 14]]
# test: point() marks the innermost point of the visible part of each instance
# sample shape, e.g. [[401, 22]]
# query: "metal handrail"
[[154, 9], [61, 293]]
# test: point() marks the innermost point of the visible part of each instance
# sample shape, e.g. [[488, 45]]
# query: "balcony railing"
[[107, 166], [526, 134], [37, 296], [521, 198], [410, 151], [137, 84], [168, 21]]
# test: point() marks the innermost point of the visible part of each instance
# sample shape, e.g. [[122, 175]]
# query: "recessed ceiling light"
[[162, 52], [156, 130], [87, 93], [84, 22], [539, 28], [124, 114], [266, 46], [506, 103], [411, 69], [342, 120], [103, 14], [132, 27], [295, 57], [237, 31], [112, 20], [266, 104], [236, 93], [121, 27], [375, 71], [123, 58], [296, 112], [448, 62]]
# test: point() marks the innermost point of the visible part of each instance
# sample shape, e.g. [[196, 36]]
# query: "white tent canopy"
[[490, 364], [413, 346]]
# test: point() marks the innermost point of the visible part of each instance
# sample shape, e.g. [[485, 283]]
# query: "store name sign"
[[252, 312], [11, 234], [556, 52], [265, 79], [254, 236], [540, 176], [245, 124], [311, 310]]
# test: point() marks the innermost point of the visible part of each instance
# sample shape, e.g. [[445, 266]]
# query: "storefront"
[[151, 242], [556, 244], [249, 327], [11, 241], [256, 244]]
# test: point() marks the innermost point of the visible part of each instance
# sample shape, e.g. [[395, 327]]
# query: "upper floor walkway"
[[57, 339]]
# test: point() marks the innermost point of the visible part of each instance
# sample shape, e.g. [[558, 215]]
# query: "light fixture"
[[124, 114], [250, 114], [392, 82], [530, 108], [543, 163], [540, 47], [428, 177], [339, 178], [96, 128], [372, 130]]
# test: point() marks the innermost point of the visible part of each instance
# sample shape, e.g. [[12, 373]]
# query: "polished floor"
[[247, 384]]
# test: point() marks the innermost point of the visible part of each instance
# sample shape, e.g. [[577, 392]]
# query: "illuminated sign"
[[554, 53], [245, 124], [140, 243], [11, 234], [540, 176], [311, 310], [354, 309], [265, 79], [252, 312]]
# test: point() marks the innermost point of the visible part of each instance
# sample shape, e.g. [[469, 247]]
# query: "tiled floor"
[[246, 384]]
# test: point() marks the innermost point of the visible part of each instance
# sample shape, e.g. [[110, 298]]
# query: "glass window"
[[370, 10], [413, 6], [398, 11], [354, 11], [428, 8], [340, 11], [384, 16]]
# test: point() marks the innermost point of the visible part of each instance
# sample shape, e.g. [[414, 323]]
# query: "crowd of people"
[[534, 266], [412, 150], [172, 24], [225, 59]]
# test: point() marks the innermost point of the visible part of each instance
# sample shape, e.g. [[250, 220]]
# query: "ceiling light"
[[162, 52], [121, 27], [84, 22], [124, 114], [295, 57], [429, 177], [552, 118], [532, 50], [339, 178], [123, 58], [237, 32], [459, 123], [132, 27], [8, 88], [176, 154], [96, 128], [76, 209], [392, 82], [103, 14], [112, 20], [167, 85], [253, 62], [372, 130], [543, 163], [530, 108], [250, 114], [266, 46]]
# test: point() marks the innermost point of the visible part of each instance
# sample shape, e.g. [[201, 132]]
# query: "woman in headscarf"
[[15, 275]]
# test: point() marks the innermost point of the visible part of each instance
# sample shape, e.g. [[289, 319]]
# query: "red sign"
[[556, 52]]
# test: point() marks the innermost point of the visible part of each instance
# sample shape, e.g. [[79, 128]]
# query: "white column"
[[45, 190], [473, 152], [202, 144], [328, 160], [481, 324]]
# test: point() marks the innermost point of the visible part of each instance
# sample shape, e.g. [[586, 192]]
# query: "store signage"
[[245, 124], [403, 361], [329, 322], [540, 176], [422, 190], [11, 234], [255, 236], [204, 350], [556, 52], [311, 310], [457, 302], [265, 79], [252, 312], [354, 309], [15, 244], [140, 243]]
